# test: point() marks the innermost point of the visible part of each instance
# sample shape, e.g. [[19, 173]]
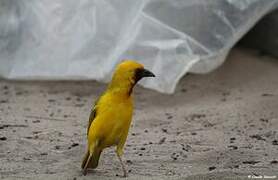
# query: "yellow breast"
[[114, 116]]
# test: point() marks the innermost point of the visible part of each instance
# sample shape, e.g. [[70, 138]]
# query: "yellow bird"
[[110, 118]]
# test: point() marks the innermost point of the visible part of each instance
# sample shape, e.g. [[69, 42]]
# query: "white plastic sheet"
[[85, 39]]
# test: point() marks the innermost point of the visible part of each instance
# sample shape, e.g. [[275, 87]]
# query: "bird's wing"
[[92, 117]]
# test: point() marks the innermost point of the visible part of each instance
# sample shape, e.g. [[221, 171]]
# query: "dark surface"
[[264, 35]]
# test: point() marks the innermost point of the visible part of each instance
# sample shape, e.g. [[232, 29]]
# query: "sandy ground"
[[221, 125]]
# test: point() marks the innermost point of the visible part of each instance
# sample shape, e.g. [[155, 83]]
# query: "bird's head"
[[127, 74]]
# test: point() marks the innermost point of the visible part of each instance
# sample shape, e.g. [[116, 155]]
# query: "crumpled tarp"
[[85, 39]]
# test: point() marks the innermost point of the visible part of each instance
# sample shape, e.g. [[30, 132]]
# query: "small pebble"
[[183, 90], [3, 138], [162, 140], [26, 159], [129, 161], [233, 147], [36, 121], [274, 162], [51, 100], [193, 133], [74, 145], [250, 162], [267, 94], [169, 117], [274, 142], [211, 168]]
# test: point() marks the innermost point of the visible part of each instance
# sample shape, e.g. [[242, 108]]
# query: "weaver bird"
[[111, 116]]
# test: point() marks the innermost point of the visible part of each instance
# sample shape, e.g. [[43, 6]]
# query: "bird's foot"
[[125, 174], [84, 172]]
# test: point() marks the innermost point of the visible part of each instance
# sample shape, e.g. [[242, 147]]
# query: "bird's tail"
[[91, 160]]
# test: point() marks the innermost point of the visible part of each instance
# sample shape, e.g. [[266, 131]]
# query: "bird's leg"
[[119, 153], [84, 171]]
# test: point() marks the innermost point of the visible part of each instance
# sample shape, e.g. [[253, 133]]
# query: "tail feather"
[[91, 160]]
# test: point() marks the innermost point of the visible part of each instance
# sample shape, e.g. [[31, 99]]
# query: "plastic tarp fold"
[[85, 39]]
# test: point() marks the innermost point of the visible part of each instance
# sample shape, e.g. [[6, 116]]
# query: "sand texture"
[[220, 125]]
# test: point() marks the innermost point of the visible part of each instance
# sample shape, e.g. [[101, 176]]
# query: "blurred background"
[[212, 114]]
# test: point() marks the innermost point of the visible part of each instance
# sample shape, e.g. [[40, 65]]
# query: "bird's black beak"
[[141, 73], [146, 73]]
